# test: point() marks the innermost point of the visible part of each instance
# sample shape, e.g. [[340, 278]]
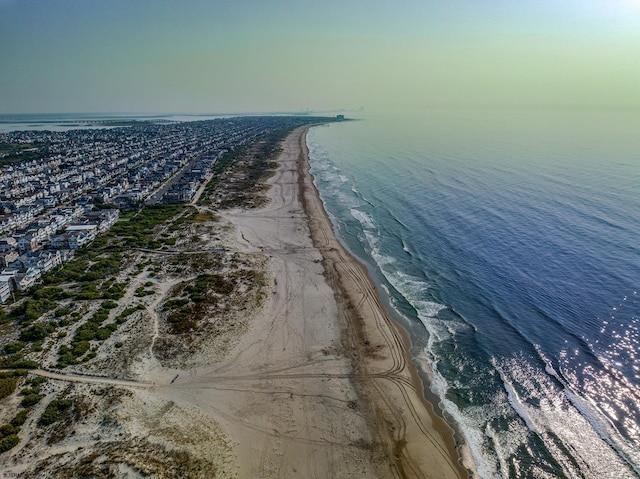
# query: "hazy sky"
[[286, 55]]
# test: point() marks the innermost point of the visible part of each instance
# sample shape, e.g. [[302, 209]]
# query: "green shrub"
[[178, 315], [20, 418], [16, 362], [31, 400], [100, 316], [29, 391], [129, 311], [65, 358], [102, 334], [175, 303], [50, 293], [55, 411], [36, 332], [87, 296], [36, 380], [32, 309], [114, 291], [7, 386], [89, 356], [86, 332], [8, 442], [58, 313], [12, 348], [141, 292], [109, 305], [80, 347], [8, 430]]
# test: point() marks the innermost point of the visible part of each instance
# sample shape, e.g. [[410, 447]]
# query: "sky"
[[234, 56]]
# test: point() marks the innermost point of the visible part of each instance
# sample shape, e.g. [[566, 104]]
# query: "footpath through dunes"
[[320, 386]]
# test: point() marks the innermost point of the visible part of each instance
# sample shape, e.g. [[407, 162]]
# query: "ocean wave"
[[365, 219]]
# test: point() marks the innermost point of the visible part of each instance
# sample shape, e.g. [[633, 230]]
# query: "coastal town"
[[59, 190]]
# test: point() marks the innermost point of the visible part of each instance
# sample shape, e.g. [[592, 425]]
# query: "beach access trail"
[[320, 386]]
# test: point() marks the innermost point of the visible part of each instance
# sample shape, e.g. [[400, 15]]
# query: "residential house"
[[26, 280], [43, 260], [7, 257], [8, 243], [28, 243], [104, 219]]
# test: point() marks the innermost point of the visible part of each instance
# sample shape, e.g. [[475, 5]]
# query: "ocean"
[[508, 244]]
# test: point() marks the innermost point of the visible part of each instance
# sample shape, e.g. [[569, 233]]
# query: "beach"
[[321, 385]]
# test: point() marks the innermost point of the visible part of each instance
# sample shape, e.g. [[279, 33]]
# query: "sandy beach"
[[321, 385]]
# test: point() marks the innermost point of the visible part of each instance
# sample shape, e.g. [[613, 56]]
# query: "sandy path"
[[85, 378], [300, 395]]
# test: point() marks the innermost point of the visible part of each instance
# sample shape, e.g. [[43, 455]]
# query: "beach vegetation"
[[31, 400], [31, 309], [248, 168], [20, 418], [36, 380], [9, 442], [17, 361], [31, 390], [62, 311], [141, 292], [12, 348], [55, 411], [8, 385], [36, 332], [122, 317]]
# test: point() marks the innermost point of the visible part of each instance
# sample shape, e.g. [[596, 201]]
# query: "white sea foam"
[[365, 219]]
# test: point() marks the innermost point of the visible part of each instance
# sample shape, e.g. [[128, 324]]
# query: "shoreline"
[[392, 383]]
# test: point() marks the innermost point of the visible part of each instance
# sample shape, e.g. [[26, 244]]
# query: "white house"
[[25, 280], [6, 287]]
